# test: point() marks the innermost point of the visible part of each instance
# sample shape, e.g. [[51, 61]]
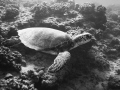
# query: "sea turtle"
[[54, 42]]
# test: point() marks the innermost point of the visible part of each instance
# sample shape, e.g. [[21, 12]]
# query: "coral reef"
[[10, 60], [67, 14], [10, 13], [114, 83], [25, 81], [41, 11], [93, 66], [94, 14]]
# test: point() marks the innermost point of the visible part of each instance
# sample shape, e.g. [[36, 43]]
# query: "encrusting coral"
[[94, 65], [10, 60], [25, 81]]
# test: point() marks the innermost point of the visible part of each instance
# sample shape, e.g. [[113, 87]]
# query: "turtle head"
[[81, 39]]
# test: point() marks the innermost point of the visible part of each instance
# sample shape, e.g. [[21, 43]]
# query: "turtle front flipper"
[[50, 77], [59, 62]]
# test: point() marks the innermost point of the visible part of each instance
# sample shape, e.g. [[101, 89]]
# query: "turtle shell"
[[43, 39]]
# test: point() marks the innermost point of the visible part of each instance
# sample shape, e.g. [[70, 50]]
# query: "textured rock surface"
[[90, 67], [25, 81], [10, 60]]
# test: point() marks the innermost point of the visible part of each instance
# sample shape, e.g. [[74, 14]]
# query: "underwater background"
[[93, 66]]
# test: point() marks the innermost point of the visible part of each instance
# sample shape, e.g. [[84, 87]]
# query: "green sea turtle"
[[54, 42]]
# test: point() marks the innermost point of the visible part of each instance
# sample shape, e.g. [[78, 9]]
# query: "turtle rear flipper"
[[59, 62]]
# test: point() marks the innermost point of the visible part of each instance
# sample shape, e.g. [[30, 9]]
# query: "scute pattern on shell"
[[42, 38]]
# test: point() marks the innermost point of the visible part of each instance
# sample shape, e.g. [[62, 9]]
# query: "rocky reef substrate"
[[93, 66]]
